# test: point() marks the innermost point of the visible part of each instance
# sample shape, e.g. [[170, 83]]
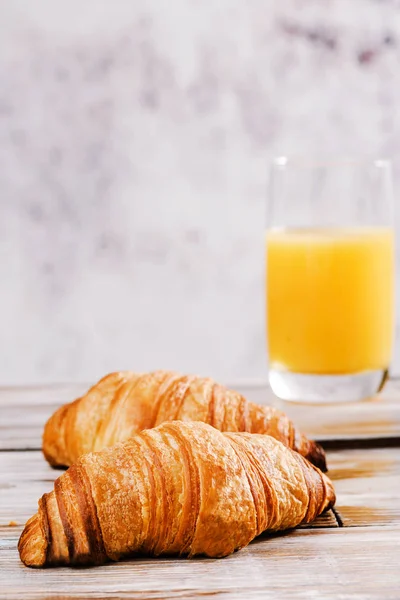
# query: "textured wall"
[[134, 141]]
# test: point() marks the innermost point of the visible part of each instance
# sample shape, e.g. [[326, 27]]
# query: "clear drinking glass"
[[330, 278]]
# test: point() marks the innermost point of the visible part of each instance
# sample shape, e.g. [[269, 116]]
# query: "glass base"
[[297, 387]]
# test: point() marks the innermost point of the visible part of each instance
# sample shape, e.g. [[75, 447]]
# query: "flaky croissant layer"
[[178, 489], [124, 403]]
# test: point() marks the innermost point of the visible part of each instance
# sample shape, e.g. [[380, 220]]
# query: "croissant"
[[181, 488], [124, 403]]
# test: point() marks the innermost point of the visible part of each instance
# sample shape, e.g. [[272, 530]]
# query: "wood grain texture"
[[377, 417], [359, 560], [368, 488], [367, 484], [347, 563], [23, 412]]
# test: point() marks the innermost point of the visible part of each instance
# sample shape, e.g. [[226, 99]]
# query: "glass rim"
[[303, 161]]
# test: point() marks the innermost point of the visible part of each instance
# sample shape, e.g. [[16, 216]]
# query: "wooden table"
[[354, 553]]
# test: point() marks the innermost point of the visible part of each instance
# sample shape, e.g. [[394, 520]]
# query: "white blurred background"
[[134, 144]]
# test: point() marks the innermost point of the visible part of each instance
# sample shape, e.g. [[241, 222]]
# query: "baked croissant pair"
[[180, 488]]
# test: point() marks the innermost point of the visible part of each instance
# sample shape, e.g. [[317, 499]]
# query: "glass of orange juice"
[[330, 278]]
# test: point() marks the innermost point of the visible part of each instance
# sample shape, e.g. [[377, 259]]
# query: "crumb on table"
[[13, 524]]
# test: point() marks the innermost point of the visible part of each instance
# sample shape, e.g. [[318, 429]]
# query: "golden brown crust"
[[33, 543], [181, 488], [122, 404]]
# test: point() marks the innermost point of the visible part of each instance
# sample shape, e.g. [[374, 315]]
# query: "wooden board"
[[353, 553], [374, 418], [23, 412], [367, 483], [327, 564]]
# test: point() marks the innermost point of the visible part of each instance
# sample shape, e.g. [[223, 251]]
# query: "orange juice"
[[330, 299]]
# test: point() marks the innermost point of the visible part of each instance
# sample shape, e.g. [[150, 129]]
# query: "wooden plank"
[[49, 394], [367, 484], [374, 418], [359, 560], [23, 412], [342, 563], [25, 477]]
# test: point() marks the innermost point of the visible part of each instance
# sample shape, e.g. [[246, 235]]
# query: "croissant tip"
[[32, 545], [331, 495], [317, 457]]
